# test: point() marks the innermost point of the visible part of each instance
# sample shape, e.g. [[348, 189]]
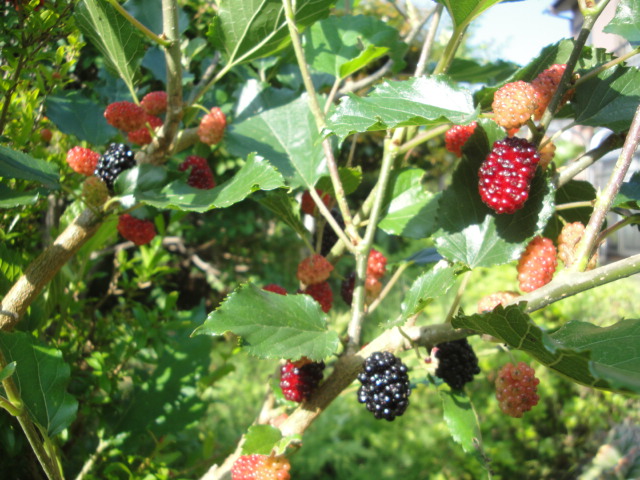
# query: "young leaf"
[[118, 40], [260, 439], [14, 164], [462, 421], [349, 177], [419, 101], [426, 287], [626, 21], [273, 325], [410, 211], [250, 29], [255, 175], [287, 137], [42, 377], [7, 371], [606, 358], [343, 45]]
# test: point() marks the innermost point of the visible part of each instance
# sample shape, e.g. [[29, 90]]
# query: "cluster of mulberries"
[[385, 386], [117, 158], [457, 363]]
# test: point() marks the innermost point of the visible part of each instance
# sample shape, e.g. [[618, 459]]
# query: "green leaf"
[[261, 440], [626, 21], [15, 198], [629, 194], [42, 378], [602, 357], [351, 178], [410, 211], [426, 287], [250, 29], [287, 137], [118, 40], [608, 100], [461, 419], [285, 206], [420, 101], [75, 114], [140, 179], [463, 12], [343, 45], [470, 71], [7, 371], [10, 267], [470, 232], [256, 174], [14, 164], [273, 325]]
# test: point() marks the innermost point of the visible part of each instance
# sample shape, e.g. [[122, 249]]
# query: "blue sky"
[[517, 31]]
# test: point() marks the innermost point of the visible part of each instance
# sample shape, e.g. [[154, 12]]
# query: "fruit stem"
[[603, 202], [139, 26]]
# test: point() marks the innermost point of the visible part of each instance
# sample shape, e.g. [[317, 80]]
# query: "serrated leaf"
[[420, 101], [7, 371], [343, 45], [75, 114], [256, 174], [626, 21], [602, 357], [350, 178], [287, 137], [287, 209], [42, 377], [469, 231], [15, 198], [410, 211], [273, 325], [461, 419], [426, 287], [14, 164], [249, 29], [114, 36], [425, 256], [629, 194], [139, 179], [261, 440], [471, 71], [608, 100]]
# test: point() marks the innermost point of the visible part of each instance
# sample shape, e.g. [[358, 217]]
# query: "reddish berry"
[[505, 175], [299, 379], [547, 151], [321, 293], [516, 388], [545, 85], [126, 116], [513, 104], [489, 302], [568, 240], [212, 126], [275, 288], [376, 264], [372, 287], [95, 191], [136, 230], [308, 206], [314, 269], [142, 136], [200, 175], [537, 264], [457, 136], [261, 467], [154, 103], [46, 135], [83, 160]]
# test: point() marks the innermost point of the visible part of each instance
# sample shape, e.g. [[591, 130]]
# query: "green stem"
[[605, 199], [422, 138], [9, 407], [458, 298], [606, 66], [428, 41], [133, 21], [630, 220], [450, 50]]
